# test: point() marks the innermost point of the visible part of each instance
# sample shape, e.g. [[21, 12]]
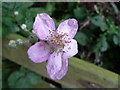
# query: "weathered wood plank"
[[81, 74]]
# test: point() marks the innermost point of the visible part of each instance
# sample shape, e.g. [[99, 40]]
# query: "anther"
[[69, 48]]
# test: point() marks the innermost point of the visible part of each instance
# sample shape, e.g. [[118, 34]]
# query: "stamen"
[[58, 40], [69, 48]]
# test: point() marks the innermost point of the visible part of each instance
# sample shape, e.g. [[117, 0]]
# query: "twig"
[[84, 24]]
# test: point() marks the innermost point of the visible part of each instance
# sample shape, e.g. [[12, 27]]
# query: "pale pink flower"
[[59, 47]]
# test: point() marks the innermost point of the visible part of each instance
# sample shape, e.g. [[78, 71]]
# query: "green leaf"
[[24, 4], [81, 38], [115, 40], [110, 20], [116, 37], [23, 78], [112, 28], [13, 79], [72, 5], [98, 21], [16, 5], [9, 26], [25, 17], [8, 21], [101, 45], [80, 13], [116, 10], [104, 44], [5, 74], [35, 11], [66, 16], [20, 18], [0, 32], [29, 20], [50, 7]]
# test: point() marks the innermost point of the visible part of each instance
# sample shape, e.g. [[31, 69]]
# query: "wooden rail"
[[81, 74]]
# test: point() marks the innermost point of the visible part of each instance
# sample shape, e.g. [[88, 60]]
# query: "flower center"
[[58, 40]]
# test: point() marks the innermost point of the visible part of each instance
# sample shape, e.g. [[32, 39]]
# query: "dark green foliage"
[[98, 21], [116, 37], [80, 13], [101, 45], [23, 78], [14, 76], [82, 38], [7, 68], [10, 22]]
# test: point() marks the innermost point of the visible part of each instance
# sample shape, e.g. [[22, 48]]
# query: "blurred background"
[[98, 35]]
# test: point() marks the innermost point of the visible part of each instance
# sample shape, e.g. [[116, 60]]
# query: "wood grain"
[[81, 74]]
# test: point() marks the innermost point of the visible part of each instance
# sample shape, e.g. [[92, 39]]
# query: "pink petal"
[[70, 49], [39, 52], [60, 74], [43, 25], [69, 26], [54, 64]]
